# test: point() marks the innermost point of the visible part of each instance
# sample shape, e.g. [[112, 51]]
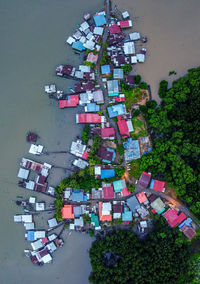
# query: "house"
[[129, 47], [108, 133], [23, 173], [99, 19], [127, 216], [114, 29], [85, 98], [80, 163], [105, 70], [43, 169], [144, 179], [133, 204], [113, 88], [67, 193], [140, 57], [71, 101], [125, 24], [118, 73], [93, 58], [108, 192], [121, 60], [119, 185], [78, 222], [142, 212], [36, 149], [78, 45], [95, 221], [65, 70], [52, 223], [92, 107], [34, 235], [97, 193], [107, 173], [158, 205], [145, 145], [157, 185], [189, 232], [29, 226], [89, 44], [98, 31], [120, 98], [118, 209], [142, 226], [134, 36], [78, 149], [67, 212], [50, 89], [132, 150], [77, 196], [123, 128], [89, 118], [39, 206], [84, 26], [125, 15], [187, 222], [98, 96], [173, 218], [116, 110], [107, 155], [142, 198], [105, 209], [125, 191], [70, 40], [83, 86], [130, 80], [77, 211]]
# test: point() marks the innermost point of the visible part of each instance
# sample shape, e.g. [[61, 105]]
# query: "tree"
[[127, 68], [163, 88], [137, 79]]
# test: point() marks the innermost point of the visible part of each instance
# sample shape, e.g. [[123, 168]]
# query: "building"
[[125, 15], [114, 29], [80, 163], [134, 36], [132, 150], [89, 118], [105, 210], [77, 196], [105, 70], [133, 204], [98, 96], [108, 192], [144, 179], [107, 173], [67, 212], [127, 216], [173, 218], [130, 80], [78, 149], [119, 185], [129, 47], [125, 24], [189, 232], [71, 101], [157, 185], [116, 110], [52, 223], [113, 88], [145, 145], [23, 173], [108, 133], [93, 58], [65, 70], [99, 19], [98, 31], [118, 209], [142, 198], [107, 155], [95, 221], [158, 205], [78, 45], [123, 128], [118, 73], [92, 107]]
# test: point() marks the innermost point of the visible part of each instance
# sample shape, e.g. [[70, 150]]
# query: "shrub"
[[131, 188], [137, 79], [127, 68], [143, 85], [85, 133], [163, 89], [91, 233]]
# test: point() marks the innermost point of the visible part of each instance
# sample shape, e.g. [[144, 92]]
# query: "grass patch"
[[135, 169], [139, 128]]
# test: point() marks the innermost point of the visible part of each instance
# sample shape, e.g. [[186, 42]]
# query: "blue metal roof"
[[93, 107], [116, 110], [133, 203], [78, 45], [100, 20], [107, 173], [186, 222], [77, 196], [127, 216], [105, 69], [132, 149], [30, 236]]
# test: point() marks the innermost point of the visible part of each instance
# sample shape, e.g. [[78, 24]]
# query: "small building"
[[52, 223], [108, 192], [119, 185], [125, 24], [140, 57], [88, 118], [107, 155], [107, 173], [98, 31], [130, 80], [71, 101], [108, 133], [133, 204], [144, 179], [187, 222], [132, 150], [77, 196], [125, 15], [99, 20], [129, 47], [78, 222], [105, 70], [105, 210], [189, 232], [116, 110], [118, 73], [36, 149], [158, 205], [123, 128], [84, 26], [113, 88], [142, 212], [95, 221], [77, 211], [142, 198], [78, 148], [93, 58], [114, 29], [78, 45], [65, 70], [67, 212], [125, 191], [157, 185], [40, 206], [92, 107], [173, 218], [145, 145], [50, 89], [80, 163], [127, 216], [118, 209], [29, 226], [98, 96], [70, 40], [23, 173], [134, 36]]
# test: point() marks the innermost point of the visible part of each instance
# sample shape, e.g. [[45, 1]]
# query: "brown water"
[[32, 44]]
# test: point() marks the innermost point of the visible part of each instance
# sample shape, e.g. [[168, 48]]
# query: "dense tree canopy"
[[175, 128], [122, 258]]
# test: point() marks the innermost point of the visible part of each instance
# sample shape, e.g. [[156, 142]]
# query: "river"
[[33, 37]]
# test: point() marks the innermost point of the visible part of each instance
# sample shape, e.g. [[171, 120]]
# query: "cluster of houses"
[[107, 206]]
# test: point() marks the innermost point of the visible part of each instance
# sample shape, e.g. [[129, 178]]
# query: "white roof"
[[116, 215], [79, 222], [32, 200], [129, 47], [39, 206], [23, 173], [133, 59], [52, 237], [40, 234], [84, 68], [36, 149], [84, 26], [27, 218], [125, 14], [37, 244], [50, 88], [98, 30], [82, 39], [29, 226], [140, 57], [130, 125], [71, 226], [134, 36], [98, 47], [18, 218], [90, 36], [47, 258], [97, 170], [67, 193], [30, 185], [70, 40], [77, 148], [51, 190], [89, 44], [51, 247], [143, 224], [80, 164], [106, 208], [52, 222], [79, 74]]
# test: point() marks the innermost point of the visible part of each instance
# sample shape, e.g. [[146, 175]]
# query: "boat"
[[31, 137], [27, 252]]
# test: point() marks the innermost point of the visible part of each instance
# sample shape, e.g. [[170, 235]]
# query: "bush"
[[137, 79], [127, 68], [172, 73], [120, 149], [86, 218], [120, 171], [135, 113], [85, 133], [131, 188], [91, 233], [88, 63]]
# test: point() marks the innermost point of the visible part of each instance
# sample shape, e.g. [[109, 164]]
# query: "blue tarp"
[[100, 20], [105, 69], [30, 236], [107, 173], [116, 110], [78, 45]]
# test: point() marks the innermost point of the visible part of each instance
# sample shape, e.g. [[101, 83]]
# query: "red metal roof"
[[123, 128], [125, 24], [141, 197], [107, 132], [173, 218], [108, 192], [120, 99], [114, 29], [158, 185], [72, 101], [125, 191], [67, 212], [89, 118], [85, 155]]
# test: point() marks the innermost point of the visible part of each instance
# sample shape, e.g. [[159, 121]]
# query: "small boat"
[[19, 196], [27, 252]]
